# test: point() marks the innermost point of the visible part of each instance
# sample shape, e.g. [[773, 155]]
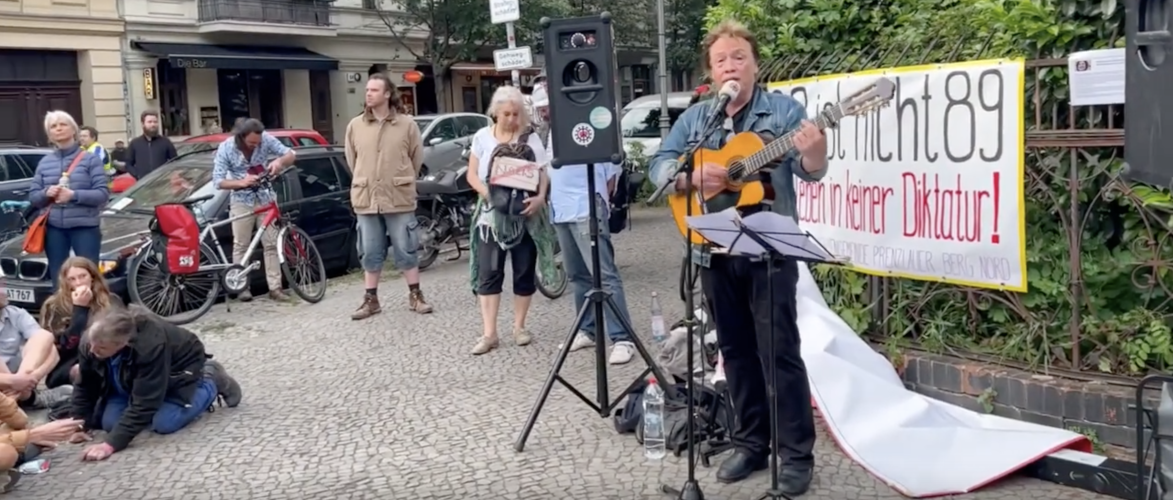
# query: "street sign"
[[511, 59], [504, 11]]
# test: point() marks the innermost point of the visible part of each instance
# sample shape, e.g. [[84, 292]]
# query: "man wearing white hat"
[[570, 211]]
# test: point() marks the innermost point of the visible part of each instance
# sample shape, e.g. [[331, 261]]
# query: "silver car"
[[445, 137]]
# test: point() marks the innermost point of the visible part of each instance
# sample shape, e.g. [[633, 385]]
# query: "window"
[[370, 4], [645, 121], [8, 167], [171, 183], [286, 141], [445, 130], [469, 125], [31, 160], [306, 141], [173, 98], [281, 189], [317, 177]]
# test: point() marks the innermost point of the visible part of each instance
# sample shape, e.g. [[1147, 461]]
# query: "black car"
[[315, 194], [17, 166]]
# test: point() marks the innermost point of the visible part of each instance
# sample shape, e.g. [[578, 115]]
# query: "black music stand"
[[771, 237]]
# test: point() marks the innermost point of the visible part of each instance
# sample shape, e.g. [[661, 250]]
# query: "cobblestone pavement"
[[395, 408]]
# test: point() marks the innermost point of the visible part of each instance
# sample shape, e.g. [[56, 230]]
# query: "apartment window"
[[173, 99], [371, 4]]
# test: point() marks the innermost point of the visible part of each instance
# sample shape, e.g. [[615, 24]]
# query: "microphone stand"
[[691, 489]]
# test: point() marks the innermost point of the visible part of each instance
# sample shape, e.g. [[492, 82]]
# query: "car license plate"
[[20, 295]]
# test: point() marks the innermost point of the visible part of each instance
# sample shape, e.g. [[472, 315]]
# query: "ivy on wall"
[[1121, 290]]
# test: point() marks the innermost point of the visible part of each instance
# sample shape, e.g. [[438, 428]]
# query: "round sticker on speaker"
[[600, 117], [583, 134]]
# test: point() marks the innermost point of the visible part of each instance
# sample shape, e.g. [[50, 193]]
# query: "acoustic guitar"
[[746, 154]]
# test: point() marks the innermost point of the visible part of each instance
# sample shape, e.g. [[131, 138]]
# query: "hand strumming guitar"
[[710, 178]]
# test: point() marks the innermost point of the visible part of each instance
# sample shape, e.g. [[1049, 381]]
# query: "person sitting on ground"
[[139, 372], [70, 310], [28, 354], [17, 439]]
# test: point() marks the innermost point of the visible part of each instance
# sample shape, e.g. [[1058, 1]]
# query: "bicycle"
[[216, 269]]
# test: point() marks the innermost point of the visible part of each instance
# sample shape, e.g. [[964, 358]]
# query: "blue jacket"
[[88, 182], [774, 115]]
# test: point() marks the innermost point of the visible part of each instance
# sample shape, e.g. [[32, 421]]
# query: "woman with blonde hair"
[[71, 184], [70, 310], [525, 238]]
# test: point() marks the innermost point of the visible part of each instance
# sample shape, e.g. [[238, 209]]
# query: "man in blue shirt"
[[570, 211], [737, 287], [239, 161]]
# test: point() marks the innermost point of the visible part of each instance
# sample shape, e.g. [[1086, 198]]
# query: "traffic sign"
[[511, 59], [504, 11]]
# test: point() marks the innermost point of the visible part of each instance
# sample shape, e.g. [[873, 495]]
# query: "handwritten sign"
[[514, 173], [930, 187]]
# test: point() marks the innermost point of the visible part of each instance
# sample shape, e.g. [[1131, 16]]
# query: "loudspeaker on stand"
[[1148, 78], [582, 86]]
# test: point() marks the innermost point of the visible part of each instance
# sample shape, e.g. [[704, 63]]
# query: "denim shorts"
[[373, 233]]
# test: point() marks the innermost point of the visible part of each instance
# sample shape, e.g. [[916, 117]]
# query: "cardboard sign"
[[514, 173]]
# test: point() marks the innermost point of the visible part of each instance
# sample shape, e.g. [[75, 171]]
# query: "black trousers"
[[523, 258], [739, 293]]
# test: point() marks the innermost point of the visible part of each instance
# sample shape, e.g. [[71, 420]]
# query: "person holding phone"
[[239, 162]]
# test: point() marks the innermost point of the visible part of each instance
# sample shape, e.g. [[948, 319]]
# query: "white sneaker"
[[580, 342], [621, 353]]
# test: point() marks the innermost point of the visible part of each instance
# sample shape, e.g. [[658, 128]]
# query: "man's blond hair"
[[728, 28]]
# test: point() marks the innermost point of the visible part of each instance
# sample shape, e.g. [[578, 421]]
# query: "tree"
[[457, 30], [684, 31]]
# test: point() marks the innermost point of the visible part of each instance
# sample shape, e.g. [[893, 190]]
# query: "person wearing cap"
[[540, 102], [570, 212]]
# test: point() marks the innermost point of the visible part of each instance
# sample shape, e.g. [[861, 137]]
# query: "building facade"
[[60, 55], [291, 63]]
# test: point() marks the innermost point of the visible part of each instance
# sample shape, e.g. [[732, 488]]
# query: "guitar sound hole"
[[736, 170]]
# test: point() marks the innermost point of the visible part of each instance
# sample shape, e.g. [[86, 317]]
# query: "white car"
[[640, 121]]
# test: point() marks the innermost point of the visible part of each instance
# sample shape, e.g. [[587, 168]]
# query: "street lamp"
[[664, 122]]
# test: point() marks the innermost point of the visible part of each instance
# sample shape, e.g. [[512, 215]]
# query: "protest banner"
[[931, 186]]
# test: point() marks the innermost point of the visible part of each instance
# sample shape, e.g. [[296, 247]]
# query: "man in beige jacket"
[[385, 151]]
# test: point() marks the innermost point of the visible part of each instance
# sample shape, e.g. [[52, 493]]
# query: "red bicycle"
[[183, 298]]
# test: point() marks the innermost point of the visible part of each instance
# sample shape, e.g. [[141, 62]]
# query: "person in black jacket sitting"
[[83, 295], [139, 372]]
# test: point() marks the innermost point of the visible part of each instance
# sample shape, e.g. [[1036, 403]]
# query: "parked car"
[[315, 194], [640, 120], [209, 142], [445, 136], [17, 166]]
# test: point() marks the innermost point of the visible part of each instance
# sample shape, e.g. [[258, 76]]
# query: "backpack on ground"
[[712, 416], [175, 238]]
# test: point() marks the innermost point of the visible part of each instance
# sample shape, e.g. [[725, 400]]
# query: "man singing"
[[738, 287], [570, 211]]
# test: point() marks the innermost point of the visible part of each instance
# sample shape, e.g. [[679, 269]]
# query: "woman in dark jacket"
[[139, 372], [83, 295], [74, 198]]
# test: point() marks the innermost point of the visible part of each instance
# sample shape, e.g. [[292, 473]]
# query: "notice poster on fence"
[[929, 187]]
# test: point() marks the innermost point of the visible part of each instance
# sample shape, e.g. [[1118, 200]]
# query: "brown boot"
[[279, 296], [369, 307], [416, 302]]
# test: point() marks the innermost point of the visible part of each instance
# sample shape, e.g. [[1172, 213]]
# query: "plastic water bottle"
[[654, 444], [659, 333]]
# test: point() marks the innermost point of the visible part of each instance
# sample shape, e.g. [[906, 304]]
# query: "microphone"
[[728, 91]]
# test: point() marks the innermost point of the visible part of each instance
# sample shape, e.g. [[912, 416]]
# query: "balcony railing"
[[285, 12]]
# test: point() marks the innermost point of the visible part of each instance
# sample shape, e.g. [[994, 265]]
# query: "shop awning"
[[199, 56]]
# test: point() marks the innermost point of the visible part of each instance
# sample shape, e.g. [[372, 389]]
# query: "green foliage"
[[1118, 295], [458, 29]]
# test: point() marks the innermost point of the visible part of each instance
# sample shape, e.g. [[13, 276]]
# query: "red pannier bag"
[[176, 239]]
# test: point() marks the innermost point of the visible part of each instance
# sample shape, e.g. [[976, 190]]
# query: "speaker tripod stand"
[[597, 301]]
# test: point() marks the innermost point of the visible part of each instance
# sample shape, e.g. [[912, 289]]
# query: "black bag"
[[507, 200], [620, 200], [712, 416]]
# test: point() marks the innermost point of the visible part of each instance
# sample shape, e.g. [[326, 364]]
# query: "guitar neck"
[[780, 146]]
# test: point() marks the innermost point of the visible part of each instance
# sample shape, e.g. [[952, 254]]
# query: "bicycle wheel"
[[179, 299], [301, 264], [554, 286]]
